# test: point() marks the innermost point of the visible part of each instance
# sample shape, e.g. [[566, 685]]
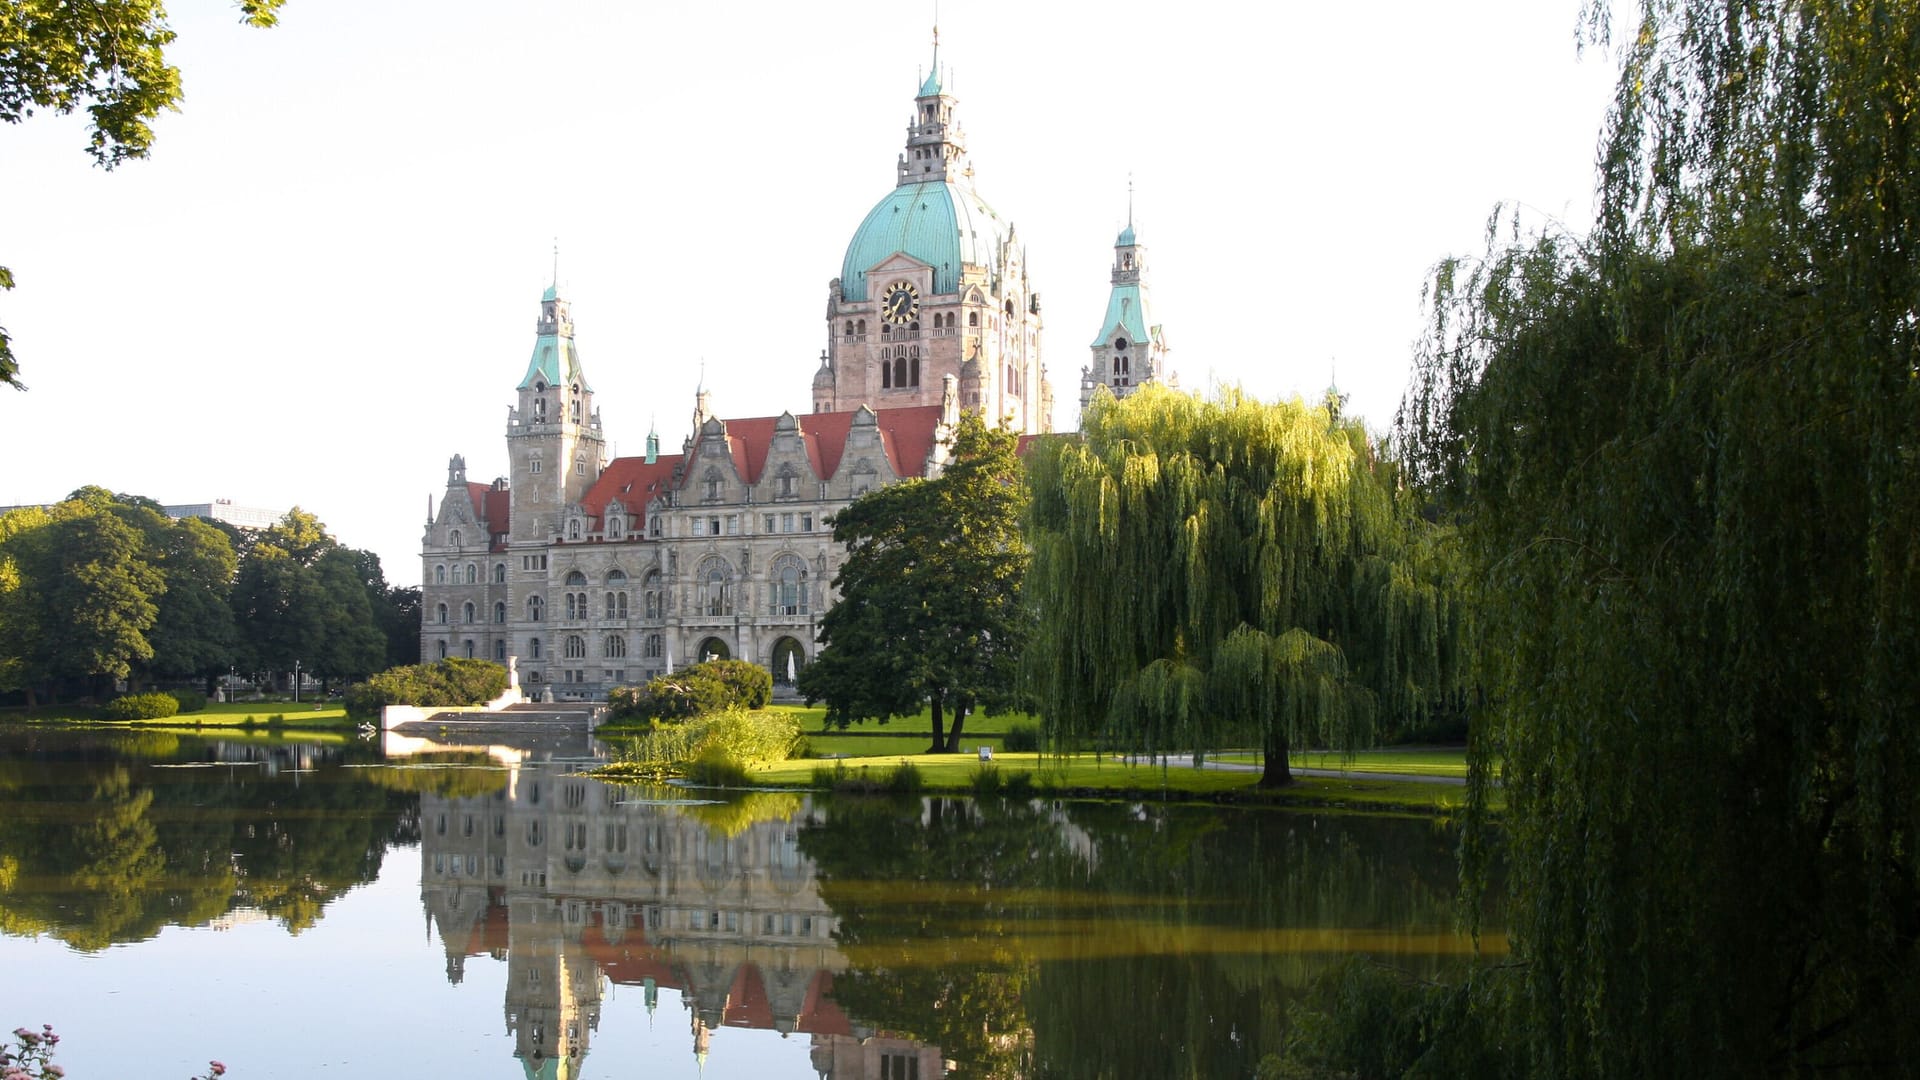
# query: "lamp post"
[[296, 682]]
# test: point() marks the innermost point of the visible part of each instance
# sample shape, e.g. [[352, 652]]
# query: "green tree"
[[1275, 590], [351, 643], [193, 631], [1685, 450], [86, 599], [929, 611], [108, 57], [279, 609]]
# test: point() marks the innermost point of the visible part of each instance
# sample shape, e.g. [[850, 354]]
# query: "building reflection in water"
[[576, 883]]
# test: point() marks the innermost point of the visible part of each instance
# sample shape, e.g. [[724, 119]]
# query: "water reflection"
[[881, 938]]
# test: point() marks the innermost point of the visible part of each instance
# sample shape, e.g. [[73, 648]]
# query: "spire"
[[653, 441], [553, 290], [936, 147]]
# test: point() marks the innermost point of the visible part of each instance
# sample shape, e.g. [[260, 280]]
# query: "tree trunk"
[[1276, 773], [939, 725], [960, 710]]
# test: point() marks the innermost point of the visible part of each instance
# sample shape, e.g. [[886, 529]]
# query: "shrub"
[[696, 691], [1021, 739], [151, 706], [986, 780], [740, 738], [190, 700], [749, 685], [443, 683]]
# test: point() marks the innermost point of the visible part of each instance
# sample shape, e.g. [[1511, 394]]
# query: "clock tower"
[[934, 283], [1130, 349]]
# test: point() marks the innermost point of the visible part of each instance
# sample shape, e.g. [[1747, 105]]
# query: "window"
[[772, 524], [534, 465], [573, 528], [536, 609], [500, 573], [613, 527], [500, 651], [473, 574], [790, 586], [466, 612], [733, 524], [652, 647], [715, 583], [653, 526], [500, 611], [533, 649], [650, 586], [615, 647], [439, 575], [786, 523], [712, 483], [973, 318], [468, 645], [571, 612], [576, 647], [786, 483], [806, 522], [441, 646], [699, 526], [713, 526]]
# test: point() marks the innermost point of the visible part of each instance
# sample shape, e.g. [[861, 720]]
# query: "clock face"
[[901, 304]]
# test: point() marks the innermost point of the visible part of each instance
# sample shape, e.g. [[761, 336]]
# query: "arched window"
[[533, 648], [789, 585], [900, 371], [468, 645], [499, 573], [500, 651], [441, 647], [466, 612], [886, 374], [473, 574], [575, 400], [536, 608], [653, 647], [576, 647], [650, 588], [616, 577], [499, 611], [712, 484], [849, 327], [913, 367], [863, 327], [615, 647], [716, 587], [454, 538], [440, 613], [573, 528], [973, 318], [439, 575], [575, 577]]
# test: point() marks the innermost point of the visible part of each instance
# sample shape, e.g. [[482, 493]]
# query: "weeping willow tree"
[[1686, 453], [1230, 572]]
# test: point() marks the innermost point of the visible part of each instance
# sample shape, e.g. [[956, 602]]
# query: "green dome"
[[943, 225]]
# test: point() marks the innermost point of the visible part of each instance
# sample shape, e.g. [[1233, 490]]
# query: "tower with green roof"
[[553, 435], [934, 283], [1130, 349]]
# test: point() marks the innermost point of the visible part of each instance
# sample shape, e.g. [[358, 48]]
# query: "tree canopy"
[[929, 613], [1217, 572], [107, 57], [1683, 451]]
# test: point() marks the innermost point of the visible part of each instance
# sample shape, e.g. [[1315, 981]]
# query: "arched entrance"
[[712, 649], [788, 658]]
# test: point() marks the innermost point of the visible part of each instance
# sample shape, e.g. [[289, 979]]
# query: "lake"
[[313, 909]]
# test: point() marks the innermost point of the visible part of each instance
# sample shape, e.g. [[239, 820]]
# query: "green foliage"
[[930, 608], [748, 685], [450, 682], [1684, 452], [1278, 590], [190, 700], [1021, 739], [1365, 1019], [151, 706], [703, 688], [720, 743]]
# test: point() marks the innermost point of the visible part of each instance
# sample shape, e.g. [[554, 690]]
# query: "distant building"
[[245, 517]]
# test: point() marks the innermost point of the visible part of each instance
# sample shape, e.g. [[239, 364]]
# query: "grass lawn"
[[1083, 775], [327, 714], [1436, 761], [813, 719]]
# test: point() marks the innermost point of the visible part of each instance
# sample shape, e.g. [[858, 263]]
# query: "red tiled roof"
[[635, 483], [747, 1004], [820, 1014]]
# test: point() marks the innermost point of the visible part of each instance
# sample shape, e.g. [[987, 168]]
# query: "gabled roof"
[[490, 507], [906, 434], [635, 482]]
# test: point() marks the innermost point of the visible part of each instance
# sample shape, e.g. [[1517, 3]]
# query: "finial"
[[702, 388], [556, 264], [1129, 199], [936, 38]]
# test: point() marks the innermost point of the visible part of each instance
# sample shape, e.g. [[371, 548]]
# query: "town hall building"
[[594, 572]]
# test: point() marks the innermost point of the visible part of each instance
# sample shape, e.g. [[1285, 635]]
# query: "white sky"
[[324, 282]]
